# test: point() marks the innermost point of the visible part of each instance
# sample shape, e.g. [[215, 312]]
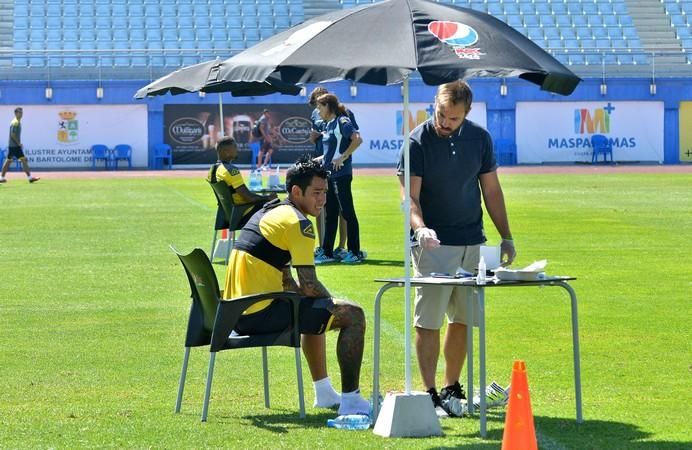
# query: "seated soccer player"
[[224, 170], [280, 236]]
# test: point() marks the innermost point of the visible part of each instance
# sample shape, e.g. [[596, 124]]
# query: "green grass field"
[[94, 308]]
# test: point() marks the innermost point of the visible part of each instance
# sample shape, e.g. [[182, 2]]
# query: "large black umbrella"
[[381, 43], [206, 77]]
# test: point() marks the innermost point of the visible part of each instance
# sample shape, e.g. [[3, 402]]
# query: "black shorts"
[[15, 153], [315, 317], [265, 144]]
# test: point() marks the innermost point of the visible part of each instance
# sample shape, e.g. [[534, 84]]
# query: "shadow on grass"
[[368, 262], [561, 433], [284, 422]]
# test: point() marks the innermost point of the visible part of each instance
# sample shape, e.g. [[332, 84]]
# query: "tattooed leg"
[[350, 320]]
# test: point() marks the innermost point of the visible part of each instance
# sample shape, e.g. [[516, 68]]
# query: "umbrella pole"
[[223, 133], [407, 243], [408, 414]]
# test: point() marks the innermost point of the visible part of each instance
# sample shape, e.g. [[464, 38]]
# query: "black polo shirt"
[[450, 194]]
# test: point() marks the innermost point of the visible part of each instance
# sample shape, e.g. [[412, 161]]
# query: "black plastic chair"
[[228, 215], [601, 146], [212, 321], [163, 154]]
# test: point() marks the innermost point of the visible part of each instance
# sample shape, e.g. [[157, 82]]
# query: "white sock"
[[325, 395]]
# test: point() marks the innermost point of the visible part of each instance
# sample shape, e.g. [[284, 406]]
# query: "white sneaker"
[[354, 405]]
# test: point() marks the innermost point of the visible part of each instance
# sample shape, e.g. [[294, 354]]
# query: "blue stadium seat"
[[118, 10], [184, 10], [579, 21], [219, 34], [558, 8], [200, 9], [152, 9], [563, 21], [169, 10], [103, 22], [282, 22], [37, 35], [153, 35], [120, 23], [594, 21], [266, 33], [589, 8], [53, 36], [169, 22], [552, 33], [217, 10], [577, 60], [203, 35], [135, 9], [535, 33], [599, 32], [137, 23], [53, 23], [201, 22], [619, 7], [530, 20]]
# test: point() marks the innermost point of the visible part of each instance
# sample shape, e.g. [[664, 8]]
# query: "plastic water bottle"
[[255, 181], [480, 278], [350, 422], [274, 179]]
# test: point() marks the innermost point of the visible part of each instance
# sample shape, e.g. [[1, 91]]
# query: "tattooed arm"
[[288, 281], [310, 286]]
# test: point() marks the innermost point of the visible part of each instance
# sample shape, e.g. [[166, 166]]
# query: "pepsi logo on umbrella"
[[458, 36]]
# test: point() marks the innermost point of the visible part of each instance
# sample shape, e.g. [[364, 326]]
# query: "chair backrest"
[[234, 213], [204, 289], [600, 142], [123, 151], [99, 151], [163, 150], [212, 320]]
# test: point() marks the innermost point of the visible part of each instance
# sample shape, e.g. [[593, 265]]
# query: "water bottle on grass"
[[350, 422]]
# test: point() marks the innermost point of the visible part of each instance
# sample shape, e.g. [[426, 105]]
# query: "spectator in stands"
[[339, 140], [224, 170], [263, 133], [316, 138], [452, 164], [277, 238], [15, 148]]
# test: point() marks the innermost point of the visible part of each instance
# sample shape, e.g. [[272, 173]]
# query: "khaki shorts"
[[433, 302]]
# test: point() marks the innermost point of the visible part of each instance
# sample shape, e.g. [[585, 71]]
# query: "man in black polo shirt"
[[452, 164]]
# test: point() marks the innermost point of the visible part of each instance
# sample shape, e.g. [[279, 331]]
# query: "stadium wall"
[[503, 113]]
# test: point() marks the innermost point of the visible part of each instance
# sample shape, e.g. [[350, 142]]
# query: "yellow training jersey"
[[276, 237], [229, 174]]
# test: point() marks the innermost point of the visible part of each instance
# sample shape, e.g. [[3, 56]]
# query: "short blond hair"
[[455, 93]]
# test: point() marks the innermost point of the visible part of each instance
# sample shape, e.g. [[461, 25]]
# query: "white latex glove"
[[507, 252], [426, 237]]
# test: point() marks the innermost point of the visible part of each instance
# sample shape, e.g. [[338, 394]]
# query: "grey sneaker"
[[495, 396]]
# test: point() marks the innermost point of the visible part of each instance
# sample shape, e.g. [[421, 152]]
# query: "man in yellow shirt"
[[276, 238], [223, 170]]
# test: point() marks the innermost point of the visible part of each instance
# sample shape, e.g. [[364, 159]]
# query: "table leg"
[[481, 359], [469, 353], [376, 352], [575, 348]]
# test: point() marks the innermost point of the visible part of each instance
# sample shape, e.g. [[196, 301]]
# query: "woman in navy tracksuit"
[[339, 140]]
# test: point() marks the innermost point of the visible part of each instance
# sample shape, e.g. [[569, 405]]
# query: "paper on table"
[[534, 271]]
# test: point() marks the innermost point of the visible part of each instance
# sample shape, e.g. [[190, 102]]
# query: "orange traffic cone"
[[519, 433]]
